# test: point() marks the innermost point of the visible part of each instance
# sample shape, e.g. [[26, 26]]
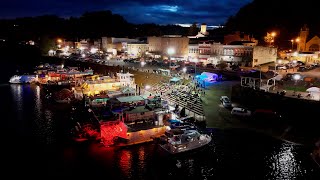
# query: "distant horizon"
[[178, 24], [162, 12]]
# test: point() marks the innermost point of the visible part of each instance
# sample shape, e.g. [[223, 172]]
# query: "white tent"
[[314, 92], [174, 79], [313, 89], [278, 77]]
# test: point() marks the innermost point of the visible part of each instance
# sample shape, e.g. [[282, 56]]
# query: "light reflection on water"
[[284, 163], [28, 105], [17, 96], [266, 159], [233, 153], [125, 162]]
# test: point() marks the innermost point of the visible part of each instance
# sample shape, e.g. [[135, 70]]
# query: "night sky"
[[212, 12]]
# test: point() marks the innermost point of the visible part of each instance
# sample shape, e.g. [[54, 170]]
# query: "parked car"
[[301, 69], [266, 114], [225, 101], [240, 112], [281, 67], [210, 65]]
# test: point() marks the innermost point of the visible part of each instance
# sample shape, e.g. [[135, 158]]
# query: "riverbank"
[[290, 130], [298, 121]]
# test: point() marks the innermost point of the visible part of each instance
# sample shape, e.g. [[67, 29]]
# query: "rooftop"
[[130, 99], [138, 109], [239, 42]]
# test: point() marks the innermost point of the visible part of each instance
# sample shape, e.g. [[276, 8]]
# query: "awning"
[[313, 89], [175, 79]]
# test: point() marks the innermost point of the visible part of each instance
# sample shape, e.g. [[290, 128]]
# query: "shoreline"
[[151, 78]]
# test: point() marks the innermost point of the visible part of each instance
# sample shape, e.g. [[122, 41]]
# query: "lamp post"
[[170, 52], [142, 65], [184, 71], [296, 77], [292, 44], [195, 66], [260, 77], [297, 41], [273, 34]]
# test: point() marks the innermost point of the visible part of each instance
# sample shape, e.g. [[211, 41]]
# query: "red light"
[[112, 130]]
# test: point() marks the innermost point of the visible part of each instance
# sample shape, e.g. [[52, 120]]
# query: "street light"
[[184, 70], [195, 66], [260, 77], [170, 52], [142, 64], [296, 77], [273, 34], [297, 41], [292, 44]]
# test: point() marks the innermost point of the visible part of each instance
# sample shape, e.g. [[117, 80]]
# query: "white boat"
[[188, 140], [22, 79], [15, 79]]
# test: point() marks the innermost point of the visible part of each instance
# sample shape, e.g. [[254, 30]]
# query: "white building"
[[263, 55], [137, 49], [203, 32], [126, 80], [238, 54], [242, 54], [193, 51], [112, 45]]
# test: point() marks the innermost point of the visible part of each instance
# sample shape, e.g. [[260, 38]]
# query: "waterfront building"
[[137, 49], [116, 46], [97, 84]]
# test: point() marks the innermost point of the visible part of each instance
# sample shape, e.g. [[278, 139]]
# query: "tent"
[[208, 77], [128, 90], [314, 92], [313, 89], [175, 79]]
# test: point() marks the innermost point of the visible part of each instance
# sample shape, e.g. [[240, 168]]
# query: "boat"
[[22, 79], [186, 141]]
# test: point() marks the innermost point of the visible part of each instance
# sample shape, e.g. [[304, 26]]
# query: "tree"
[[222, 65], [46, 43], [193, 30]]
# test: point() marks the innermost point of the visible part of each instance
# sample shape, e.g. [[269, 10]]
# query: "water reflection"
[[284, 163], [125, 162], [231, 155], [16, 91], [38, 103]]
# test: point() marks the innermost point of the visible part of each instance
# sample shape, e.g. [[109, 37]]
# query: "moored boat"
[[22, 79], [186, 141]]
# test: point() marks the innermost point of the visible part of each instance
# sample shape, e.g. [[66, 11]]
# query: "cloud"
[[136, 11]]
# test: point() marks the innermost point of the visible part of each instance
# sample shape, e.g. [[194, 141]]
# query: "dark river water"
[[35, 144]]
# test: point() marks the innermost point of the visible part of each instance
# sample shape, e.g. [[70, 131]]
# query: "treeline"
[[284, 17], [91, 25]]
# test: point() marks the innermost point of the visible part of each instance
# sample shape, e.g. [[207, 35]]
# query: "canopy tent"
[[278, 77], [175, 79], [130, 99], [128, 90], [206, 76], [313, 89], [314, 93]]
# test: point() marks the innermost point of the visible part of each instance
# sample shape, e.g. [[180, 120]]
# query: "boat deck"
[[141, 126]]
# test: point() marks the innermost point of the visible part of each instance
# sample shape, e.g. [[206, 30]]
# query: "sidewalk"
[[292, 94]]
